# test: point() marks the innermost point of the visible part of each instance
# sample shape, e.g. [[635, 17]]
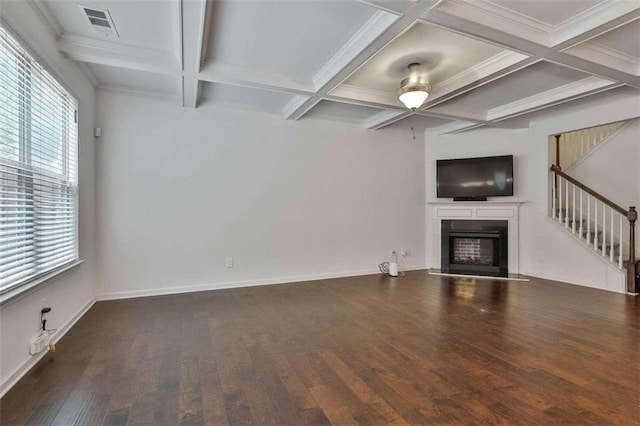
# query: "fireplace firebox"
[[475, 247]]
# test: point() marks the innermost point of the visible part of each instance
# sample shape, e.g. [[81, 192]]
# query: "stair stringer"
[[616, 278]]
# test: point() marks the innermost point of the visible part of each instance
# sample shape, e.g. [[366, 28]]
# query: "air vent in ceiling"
[[100, 21]]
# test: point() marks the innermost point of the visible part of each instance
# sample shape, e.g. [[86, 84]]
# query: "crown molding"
[[500, 18], [292, 106], [87, 73], [376, 25], [237, 76], [387, 5], [486, 68], [117, 55], [458, 113], [378, 97], [384, 118], [46, 17], [594, 52], [594, 17], [136, 92], [566, 93], [455, 127]]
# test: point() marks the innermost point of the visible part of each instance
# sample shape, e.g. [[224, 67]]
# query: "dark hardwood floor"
[[416, 349]]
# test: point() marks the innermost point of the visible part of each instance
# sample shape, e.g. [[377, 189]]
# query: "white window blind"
[[38, 169]]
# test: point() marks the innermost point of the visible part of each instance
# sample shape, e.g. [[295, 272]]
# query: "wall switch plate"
[[229, 262]]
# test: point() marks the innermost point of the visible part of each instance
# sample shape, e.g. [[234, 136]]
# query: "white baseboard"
[[237, 284], [33, 359], [565, 281]]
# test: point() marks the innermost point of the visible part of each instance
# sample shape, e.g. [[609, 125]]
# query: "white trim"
[[378, 23], [569, 91], [21, 291], [132, 92], [595, 52], [237, 284], [510, 277], [238, 76], [384, 118], [363, 94], [498, 17], [488, 210], [101, 52], [587, 247], [455, 127], [592, 18], [483, 69], [578, 283], [30, 362], [47, 18]]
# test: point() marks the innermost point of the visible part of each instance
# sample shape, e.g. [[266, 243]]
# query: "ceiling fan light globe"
[[414, 99]]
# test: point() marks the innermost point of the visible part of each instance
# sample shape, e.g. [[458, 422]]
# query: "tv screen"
[[475, 178]]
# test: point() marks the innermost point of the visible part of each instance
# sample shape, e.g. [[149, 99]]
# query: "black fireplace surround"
[[475, 247]]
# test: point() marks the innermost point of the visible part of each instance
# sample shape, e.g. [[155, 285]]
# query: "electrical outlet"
[[229, 262], [540, 255]]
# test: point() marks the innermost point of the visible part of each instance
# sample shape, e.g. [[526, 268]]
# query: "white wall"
[[545, 250], [180, 190], [70, 294]]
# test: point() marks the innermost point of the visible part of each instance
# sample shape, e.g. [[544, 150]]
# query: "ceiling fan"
[[414, 90]]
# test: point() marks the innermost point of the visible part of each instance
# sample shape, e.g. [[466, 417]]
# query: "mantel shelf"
[[513, 203]]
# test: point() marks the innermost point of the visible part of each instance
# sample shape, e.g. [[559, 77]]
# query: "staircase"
[[605, 227], [571, 147]]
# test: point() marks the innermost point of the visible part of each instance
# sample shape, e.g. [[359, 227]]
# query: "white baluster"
[[595, 224], [580, 230], [554, 179], [588, 218], [560, 199], [573, 216], [620, 250], [611, 239], [566, 203], [604, 229]]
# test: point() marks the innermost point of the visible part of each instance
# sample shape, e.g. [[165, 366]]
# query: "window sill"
[[18, 292]]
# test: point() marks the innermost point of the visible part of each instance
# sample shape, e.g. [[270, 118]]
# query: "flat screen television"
[[475, 179]]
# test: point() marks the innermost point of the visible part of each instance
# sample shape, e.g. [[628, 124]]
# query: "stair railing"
[[581, 210], [572, 146]]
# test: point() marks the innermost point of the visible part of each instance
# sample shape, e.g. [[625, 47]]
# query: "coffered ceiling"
[[490, 63]]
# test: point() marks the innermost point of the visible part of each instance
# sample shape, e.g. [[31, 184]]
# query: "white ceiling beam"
[[215, 73], [512, 123], [594, 69], [455, 127], [538, 51], [566, 93], [346, 66], [193, 38], [117, 55], [384, 118]]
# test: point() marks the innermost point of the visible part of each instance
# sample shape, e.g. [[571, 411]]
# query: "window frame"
[[35, 280]]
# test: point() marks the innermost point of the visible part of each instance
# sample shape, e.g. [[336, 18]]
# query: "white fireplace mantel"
[[483, 210]]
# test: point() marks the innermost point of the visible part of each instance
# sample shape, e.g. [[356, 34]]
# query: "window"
[[38, 169]]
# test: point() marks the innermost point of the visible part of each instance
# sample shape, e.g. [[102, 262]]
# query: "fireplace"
[[475, 247]]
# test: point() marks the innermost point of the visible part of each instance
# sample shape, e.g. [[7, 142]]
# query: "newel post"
[[632, 216]]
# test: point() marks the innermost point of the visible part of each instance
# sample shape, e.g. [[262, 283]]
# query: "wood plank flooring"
[[417, 349]]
